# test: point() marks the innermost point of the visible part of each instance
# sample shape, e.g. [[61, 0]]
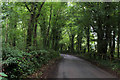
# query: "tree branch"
[[35, 6], [40, 10], [27, 7]]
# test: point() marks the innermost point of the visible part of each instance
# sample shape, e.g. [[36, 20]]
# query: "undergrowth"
[[111, 64], [19, 64]]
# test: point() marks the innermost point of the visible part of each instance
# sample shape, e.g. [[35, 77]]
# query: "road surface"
[[74, 67]]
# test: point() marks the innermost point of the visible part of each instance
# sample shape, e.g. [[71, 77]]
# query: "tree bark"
[[49, 26], [101, 41], [35, 34], [113, 46], [6, 34], [88, 38], [14, 37], [78, 43], [56, 43], [72, 43], [118, 41], [30, 32]]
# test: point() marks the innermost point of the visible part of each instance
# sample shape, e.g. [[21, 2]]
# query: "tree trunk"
[[14, 37], [101, 42], [49, 27], [110, 41], [72, 43], [30, 32], [35, 34], [113, 45], [88, 39], [53, 42], [118, 41], [56, 43], [31, 25], [78, 43], [6, 34]]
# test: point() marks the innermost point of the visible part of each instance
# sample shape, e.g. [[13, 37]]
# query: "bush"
[[17, 63]]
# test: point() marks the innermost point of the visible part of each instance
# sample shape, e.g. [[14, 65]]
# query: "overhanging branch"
[[40, 10], [27, 7]]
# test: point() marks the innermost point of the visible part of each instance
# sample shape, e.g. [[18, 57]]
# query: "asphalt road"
[[74, 67]]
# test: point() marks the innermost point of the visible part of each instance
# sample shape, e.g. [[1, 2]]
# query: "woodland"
[[33, 33]]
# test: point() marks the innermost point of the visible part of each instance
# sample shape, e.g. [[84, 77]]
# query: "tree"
[[32, 25]]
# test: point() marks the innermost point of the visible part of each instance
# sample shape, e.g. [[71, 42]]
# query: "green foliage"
[[2, 76], [110, 64], [113, 65], [18, 63]]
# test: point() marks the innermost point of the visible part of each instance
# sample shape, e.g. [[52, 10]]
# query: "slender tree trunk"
[[14, 37], [24, 36], [107, 32], [49, 26], [110, 41], [100, 40], [78, 43], [61, 47], [113, 46], [43, 32], [80, 46], [6, 34], [99, 45], [53, 42], [56, 43], [108, 36], [88, 39], [72, 43], [35, 34], [118, 42], [30, 32]]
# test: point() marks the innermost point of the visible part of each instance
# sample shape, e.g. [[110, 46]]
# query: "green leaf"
[[3, 74], [0, 78]]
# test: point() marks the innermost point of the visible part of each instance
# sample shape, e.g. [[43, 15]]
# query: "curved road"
[[74, 67]]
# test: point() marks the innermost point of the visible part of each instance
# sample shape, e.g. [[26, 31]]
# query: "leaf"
[[0, 78], [3, 74]]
